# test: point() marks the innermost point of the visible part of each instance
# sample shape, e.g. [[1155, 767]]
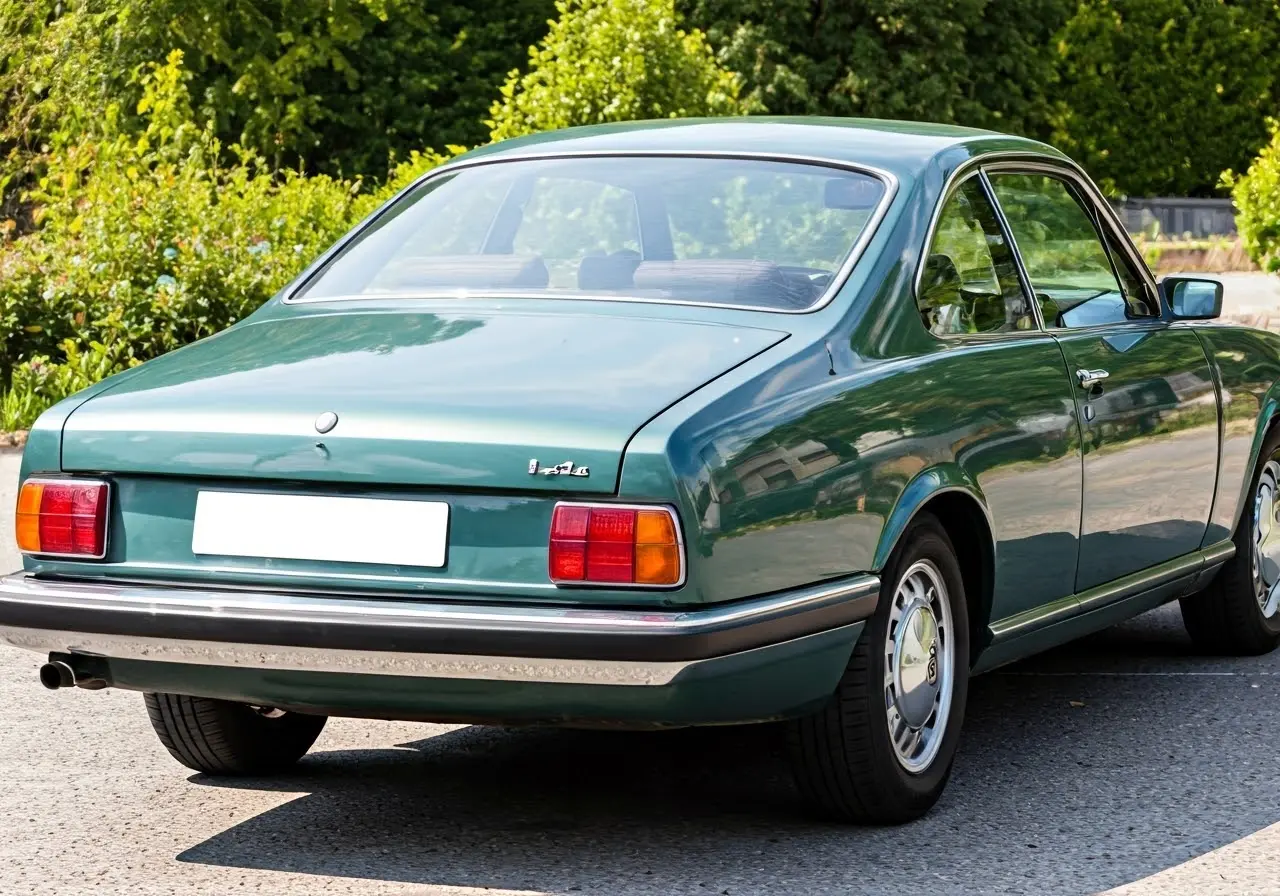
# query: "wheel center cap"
[[915, 673]]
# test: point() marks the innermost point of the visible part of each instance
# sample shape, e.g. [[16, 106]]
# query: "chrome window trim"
[[958, 178], [1106, 218], [856, 251]]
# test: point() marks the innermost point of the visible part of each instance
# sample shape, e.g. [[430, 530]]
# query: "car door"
[[1144, 393], [1009, 418]]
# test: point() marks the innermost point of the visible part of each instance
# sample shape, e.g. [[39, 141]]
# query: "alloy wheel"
[[919, 654]]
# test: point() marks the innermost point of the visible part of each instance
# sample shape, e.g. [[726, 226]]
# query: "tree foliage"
[[1156, 97], [331, 87], [614, 60], [981, 63]]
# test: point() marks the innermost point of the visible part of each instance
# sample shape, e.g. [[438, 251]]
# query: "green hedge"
[[1256, 193]]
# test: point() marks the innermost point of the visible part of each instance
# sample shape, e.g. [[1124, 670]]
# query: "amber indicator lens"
[[62, 517], [598, 544]]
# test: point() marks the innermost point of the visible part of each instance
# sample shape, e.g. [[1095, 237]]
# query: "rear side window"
[[969, 282], [745, 232], [1078, 279]]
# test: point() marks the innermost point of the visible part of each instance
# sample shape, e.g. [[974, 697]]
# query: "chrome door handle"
[[1091, 378]]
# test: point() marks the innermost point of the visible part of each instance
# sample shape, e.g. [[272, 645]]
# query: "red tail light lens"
[[63, 518], [610, 544]]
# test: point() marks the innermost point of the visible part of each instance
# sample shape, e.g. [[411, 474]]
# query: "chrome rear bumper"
[[429, 639]]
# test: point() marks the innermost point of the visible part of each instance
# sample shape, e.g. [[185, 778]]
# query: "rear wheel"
[[1239, 613], [881, 750], [218, 737]]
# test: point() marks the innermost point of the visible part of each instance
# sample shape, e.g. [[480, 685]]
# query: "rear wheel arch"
[[1269, 422], [959, 507]]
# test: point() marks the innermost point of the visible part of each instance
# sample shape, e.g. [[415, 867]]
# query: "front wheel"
[[218, 737], [1239, 613], [881, 750]]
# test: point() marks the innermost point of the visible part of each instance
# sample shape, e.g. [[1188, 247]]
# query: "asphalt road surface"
[[1122, 759]]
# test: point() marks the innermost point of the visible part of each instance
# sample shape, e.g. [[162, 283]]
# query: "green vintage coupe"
[[678, 423]]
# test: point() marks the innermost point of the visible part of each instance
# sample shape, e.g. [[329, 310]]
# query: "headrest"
[[729, 281], [608, 272]]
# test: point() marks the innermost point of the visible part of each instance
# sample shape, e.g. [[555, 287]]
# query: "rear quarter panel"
[[1246, 367], [819, 482]]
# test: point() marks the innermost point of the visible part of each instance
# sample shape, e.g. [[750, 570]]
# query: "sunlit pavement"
[[1121, 761]]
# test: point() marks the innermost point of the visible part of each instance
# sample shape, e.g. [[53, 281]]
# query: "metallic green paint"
[[1246, 366], [1150, 443], [822, 479], [421, 398]]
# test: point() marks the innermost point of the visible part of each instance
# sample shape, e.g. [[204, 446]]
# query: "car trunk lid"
[[421, 399]]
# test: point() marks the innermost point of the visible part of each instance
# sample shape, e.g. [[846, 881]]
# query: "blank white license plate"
[[315, 527]]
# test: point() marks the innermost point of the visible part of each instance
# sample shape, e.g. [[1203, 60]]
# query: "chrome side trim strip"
[[1111, 592], [1031, 619], [888, 178], [1217, 554]]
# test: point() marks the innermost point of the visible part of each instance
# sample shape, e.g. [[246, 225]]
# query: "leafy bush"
[[39, 382], [1156, 97], [980, 63], [614, 60], [146, 243], [1257, 197]]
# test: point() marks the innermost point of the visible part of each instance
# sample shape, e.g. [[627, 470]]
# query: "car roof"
[[904, 148]]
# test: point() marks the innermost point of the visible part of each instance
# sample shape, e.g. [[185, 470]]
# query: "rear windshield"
[[757, 233]]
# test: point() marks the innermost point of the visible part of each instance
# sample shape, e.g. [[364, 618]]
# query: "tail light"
[[63, 518], [615, 544]]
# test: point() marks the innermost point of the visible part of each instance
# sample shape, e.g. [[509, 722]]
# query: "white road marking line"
[[1135, 674]]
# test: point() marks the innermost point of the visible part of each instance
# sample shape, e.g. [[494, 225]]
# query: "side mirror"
[[1192, 298]]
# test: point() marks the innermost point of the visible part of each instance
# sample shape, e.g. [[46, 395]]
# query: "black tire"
[[842, 756], [1226, 617], [218, 737]]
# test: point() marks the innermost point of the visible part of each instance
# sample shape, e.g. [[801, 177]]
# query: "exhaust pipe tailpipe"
[[65, 671], [57, 674]]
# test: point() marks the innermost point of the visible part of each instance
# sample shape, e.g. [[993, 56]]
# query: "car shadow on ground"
[[1066, 783]]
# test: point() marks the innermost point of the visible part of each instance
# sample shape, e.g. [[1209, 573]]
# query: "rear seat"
[[730, 281]]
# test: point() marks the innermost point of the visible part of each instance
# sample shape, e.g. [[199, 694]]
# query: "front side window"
[[969, 283], [758, 233], [1072, 270]]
